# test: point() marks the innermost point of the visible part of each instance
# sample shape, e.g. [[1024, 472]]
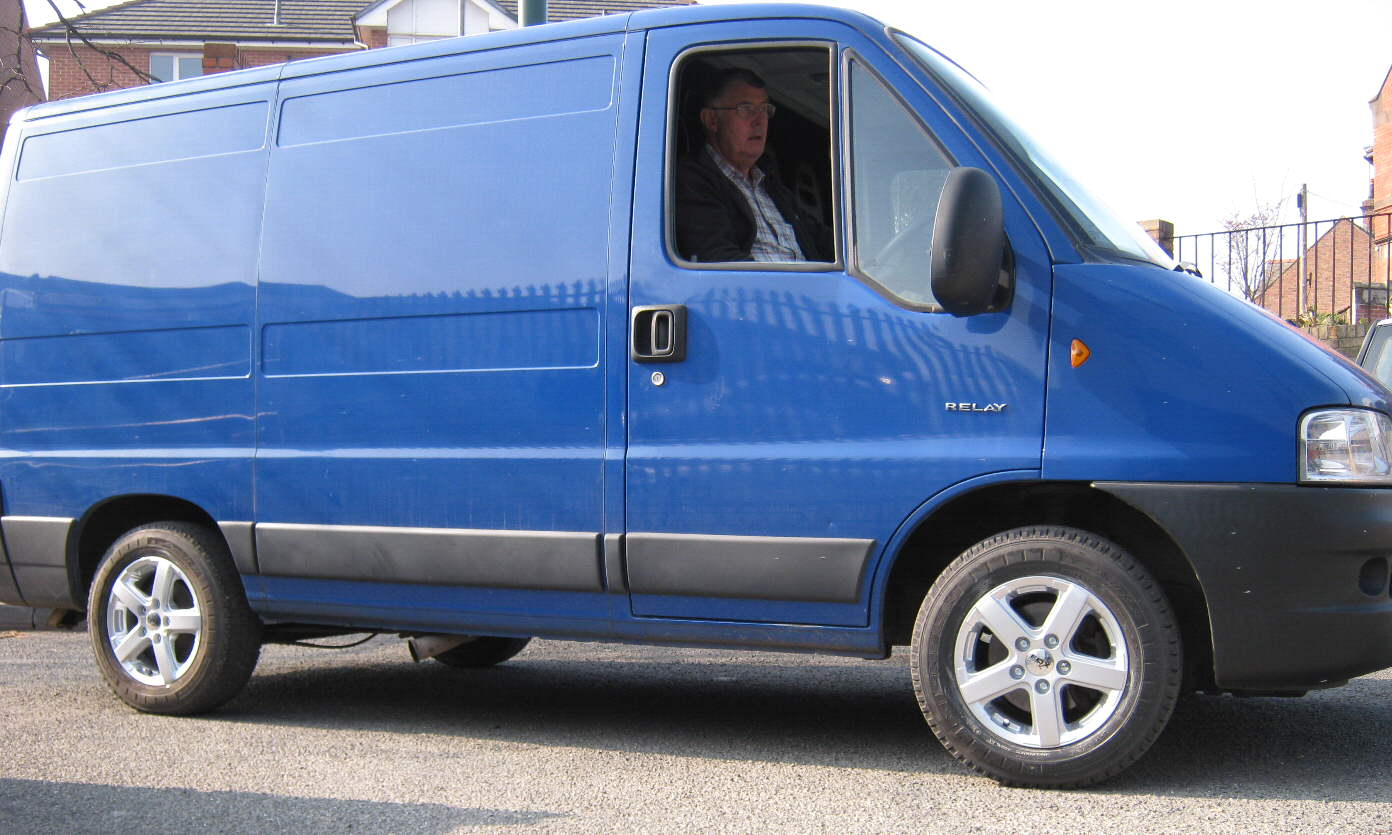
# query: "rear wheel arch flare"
[[107, 520]]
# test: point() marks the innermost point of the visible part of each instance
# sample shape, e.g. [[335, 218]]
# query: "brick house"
[[1348, 269], [1337, 274], [163, 40], [1379, 204], [19, 71]]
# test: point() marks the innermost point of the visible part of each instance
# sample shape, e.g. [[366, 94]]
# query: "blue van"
[[430, 341]]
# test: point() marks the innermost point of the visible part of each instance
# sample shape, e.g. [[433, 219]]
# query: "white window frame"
[[175, 56]]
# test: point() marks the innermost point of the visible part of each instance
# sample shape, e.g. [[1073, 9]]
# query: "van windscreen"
[[1087, 216]]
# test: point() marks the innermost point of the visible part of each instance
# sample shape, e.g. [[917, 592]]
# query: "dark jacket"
[[714, 221]]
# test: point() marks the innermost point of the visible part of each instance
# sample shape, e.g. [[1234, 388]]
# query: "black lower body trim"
[[808, 569], [37, 547], [542, 560], [1291, 576]]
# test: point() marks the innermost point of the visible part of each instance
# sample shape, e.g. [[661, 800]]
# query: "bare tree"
[[1247, 252], [98, 63], [103, 61], [12, 63]]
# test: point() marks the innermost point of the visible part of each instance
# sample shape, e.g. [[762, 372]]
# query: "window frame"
[[834, 133], [853, 267], [174, 64]]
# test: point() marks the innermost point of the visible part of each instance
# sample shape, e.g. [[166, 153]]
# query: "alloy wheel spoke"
[[164, 658], [129, 596], [1004, 623], [1046, 713], [165, 578], [129, 647], [1068, 612], [1096, 674], [989, 684], [185, 620]]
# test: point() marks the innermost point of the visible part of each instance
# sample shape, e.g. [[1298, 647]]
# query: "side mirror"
[[971, 267]]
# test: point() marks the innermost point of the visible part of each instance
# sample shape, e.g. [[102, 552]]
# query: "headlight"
[[1350, 446]]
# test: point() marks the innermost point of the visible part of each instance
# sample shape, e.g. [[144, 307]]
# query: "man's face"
[[739, 139]]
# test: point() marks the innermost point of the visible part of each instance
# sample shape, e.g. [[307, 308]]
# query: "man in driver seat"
[[729, 207]]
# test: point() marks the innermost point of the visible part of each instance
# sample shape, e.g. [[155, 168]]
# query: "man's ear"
[[709, 120]]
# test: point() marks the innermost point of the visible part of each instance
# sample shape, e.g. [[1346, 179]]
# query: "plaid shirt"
[[774, 238]]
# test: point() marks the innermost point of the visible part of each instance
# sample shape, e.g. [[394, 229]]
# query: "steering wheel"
[[895, 248]]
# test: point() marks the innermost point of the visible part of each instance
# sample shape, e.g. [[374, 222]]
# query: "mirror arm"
[[1005, 287]]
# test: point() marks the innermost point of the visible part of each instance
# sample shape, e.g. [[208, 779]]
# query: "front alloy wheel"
[[1041, 662], [1046, 657]]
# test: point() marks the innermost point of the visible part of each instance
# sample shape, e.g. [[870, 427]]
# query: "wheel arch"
[[962, 521], [94, 532]]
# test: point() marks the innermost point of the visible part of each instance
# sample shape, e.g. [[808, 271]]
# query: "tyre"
[[1046, 657], [169, 621], [482, 651]]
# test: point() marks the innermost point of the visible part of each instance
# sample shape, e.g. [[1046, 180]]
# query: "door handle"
[[659, 333]]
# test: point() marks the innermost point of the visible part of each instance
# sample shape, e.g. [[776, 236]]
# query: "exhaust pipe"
[[423, 647]]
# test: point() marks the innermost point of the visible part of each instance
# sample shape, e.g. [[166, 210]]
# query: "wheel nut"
[[1017, 672], [1064, 667], [1041, 686], [1051, 641], [1022, 644]]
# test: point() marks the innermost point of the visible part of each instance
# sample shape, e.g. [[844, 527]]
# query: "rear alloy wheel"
[[169, 622], [1046, 657]]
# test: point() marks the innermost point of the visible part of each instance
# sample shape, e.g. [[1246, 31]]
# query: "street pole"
[[1300, 203]]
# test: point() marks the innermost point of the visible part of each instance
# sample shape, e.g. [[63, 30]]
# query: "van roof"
[[587, 27]]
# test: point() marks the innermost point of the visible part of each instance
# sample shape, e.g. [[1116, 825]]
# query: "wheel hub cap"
[[1039, 661]]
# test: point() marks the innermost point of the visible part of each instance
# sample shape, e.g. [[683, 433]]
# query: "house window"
[[1372, 301], [168, 66]]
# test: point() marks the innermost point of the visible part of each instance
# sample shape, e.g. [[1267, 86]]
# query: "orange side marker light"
[[1079, 352]]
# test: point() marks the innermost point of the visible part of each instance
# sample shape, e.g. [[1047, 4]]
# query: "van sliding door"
[[431, 396]]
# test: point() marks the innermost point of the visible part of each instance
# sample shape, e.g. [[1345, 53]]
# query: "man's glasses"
[[748, 111]]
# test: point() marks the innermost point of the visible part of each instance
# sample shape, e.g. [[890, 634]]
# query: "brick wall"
[[1381, 200], [69, 69], [263, 57], [1346, 339], [374, 36], [16, 57], [1382, 151], [66, 76]]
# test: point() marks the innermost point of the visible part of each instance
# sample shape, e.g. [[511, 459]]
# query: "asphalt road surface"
[[572, 737]]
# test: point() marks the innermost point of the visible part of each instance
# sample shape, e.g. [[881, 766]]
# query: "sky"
[[1188, 110]]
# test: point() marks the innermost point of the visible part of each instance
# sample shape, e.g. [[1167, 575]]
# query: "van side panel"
[[433, 271], [125, 316]]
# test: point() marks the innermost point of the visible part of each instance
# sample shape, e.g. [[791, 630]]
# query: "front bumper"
[[1296, 578]]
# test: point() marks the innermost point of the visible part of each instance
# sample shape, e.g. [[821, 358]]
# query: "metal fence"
[[1321, 272]]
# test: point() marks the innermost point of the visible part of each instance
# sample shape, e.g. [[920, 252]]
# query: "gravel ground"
[[573, 737]]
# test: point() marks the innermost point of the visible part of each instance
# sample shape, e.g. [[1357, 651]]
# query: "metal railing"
[[1321, 272]]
